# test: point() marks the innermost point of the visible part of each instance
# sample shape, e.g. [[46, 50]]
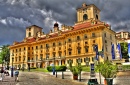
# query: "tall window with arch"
[[29, 34], [85, 17]]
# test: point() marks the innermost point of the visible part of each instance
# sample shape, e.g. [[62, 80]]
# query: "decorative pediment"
[[59, 51], [69, 49], [78, 47], [86, 46]]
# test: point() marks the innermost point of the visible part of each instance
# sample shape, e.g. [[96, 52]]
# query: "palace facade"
[[66, 44]]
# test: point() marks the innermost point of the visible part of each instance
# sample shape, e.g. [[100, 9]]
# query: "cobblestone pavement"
[[8, 80], [40, 78], [31, 78]]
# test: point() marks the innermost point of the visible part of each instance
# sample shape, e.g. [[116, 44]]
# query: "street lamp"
[[54, 66], [12, 67], [23, 63]]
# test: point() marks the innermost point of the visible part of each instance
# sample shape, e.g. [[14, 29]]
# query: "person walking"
[[2, 74], [16, 75]]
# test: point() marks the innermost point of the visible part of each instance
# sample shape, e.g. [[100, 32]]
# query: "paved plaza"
[[40, 78]]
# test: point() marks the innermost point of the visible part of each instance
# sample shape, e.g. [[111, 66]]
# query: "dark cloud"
[[16, 15]]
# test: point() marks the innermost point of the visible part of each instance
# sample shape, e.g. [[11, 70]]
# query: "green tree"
[[124, 50], [5, 54]]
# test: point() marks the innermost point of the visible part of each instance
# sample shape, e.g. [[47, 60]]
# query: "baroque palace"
[[65, 44]]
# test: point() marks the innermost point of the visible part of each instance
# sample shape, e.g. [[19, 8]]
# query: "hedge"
[[125, 67], [57, 68]]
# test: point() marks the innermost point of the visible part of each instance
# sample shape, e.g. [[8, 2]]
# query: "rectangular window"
[[36, 47], [41, 47], [32, 48], [20, 49], [93, 41], [69, 52], [53, 44], [28, 48], [60, 54], [106, 49], [93, 34], [19, 58], [47, 46], [79, 51], [69, 40], [86, 42], [104, 34], [85, 36], [110, 36], [78, 44], [65, 52], [41, 56], [86, 49], [47, 56], [24, 48], [16, 59], [105, 41], [78, 37], [59, 43]]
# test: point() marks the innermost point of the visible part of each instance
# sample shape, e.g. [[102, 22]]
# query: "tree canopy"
[[5, 54], [124, 50]]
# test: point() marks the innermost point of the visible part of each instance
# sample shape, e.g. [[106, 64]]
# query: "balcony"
[[39, 60], [31, 61]]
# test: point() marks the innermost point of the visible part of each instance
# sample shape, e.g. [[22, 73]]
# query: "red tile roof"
[[31, 40]]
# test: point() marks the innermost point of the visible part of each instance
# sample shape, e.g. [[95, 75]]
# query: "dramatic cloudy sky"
[[16, 15]]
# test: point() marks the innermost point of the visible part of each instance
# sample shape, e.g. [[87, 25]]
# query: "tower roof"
[[56, 24]]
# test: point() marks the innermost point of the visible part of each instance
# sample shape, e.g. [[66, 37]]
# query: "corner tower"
[[33, 31], [87, 12]]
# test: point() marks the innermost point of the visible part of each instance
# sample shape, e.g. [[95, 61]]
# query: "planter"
[[108, 81], [75, 77]]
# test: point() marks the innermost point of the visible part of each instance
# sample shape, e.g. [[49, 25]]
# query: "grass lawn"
[[37, 70]]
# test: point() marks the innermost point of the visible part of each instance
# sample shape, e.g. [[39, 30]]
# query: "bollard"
[[56, 74], [62, 75]]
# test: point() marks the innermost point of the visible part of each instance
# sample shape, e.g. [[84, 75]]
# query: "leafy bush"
[[57, 68], [107, 69]]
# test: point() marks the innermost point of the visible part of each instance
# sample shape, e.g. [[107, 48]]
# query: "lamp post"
[[23, 63], [54, 67], [12, 67]]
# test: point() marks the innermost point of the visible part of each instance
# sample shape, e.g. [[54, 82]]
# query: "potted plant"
[[75, 72], [108, 71]]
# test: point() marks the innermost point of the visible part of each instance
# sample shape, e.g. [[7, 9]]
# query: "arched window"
[[96, 16], [85, 17], [29, 34]]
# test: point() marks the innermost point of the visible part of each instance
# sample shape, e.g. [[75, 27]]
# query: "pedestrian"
[[2, 74], [16, 75]]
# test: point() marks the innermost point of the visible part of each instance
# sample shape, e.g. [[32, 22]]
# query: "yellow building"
[[67, 43]]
